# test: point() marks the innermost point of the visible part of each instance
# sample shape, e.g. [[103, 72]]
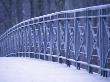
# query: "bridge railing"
[[80, 37]]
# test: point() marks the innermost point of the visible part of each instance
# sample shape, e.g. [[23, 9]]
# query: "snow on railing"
[[80, 36]]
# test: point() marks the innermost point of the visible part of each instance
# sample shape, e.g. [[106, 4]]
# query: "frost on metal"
[[81, 36]]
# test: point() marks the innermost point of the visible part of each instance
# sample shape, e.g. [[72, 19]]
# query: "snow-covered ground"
[[14, 69]]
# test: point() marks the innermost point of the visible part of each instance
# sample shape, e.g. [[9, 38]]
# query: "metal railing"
[[79, 36]]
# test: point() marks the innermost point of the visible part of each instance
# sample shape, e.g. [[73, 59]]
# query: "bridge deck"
[[15, 69]]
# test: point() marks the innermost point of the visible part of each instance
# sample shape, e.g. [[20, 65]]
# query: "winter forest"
[[15, 11]]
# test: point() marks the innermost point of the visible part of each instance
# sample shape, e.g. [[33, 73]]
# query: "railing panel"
[[80, 37]]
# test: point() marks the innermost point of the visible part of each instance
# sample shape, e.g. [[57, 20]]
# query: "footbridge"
[[79, 37]]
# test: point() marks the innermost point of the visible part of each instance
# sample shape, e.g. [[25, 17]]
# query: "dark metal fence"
[[80, 37]]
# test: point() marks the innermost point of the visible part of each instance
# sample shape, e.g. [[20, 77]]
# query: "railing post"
[[8, 44], [22, 42], [18, 34], [2, 47], [77, 41], [15, 43], [89, 41], [11, 44], [58, 39], [30, 40], [103, 40], [34, 37], [100, 42], [26, 41], [51, 40], [16, 38], [39, 42], [67, 41]]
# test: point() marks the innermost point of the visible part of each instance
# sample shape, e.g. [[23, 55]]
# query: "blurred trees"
[[15, 11]]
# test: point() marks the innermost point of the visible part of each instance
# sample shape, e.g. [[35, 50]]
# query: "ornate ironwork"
[[81, 36]]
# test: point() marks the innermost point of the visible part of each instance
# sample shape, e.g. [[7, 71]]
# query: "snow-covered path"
[[14, 69]]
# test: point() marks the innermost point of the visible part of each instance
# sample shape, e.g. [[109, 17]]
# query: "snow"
[[16, 69]]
